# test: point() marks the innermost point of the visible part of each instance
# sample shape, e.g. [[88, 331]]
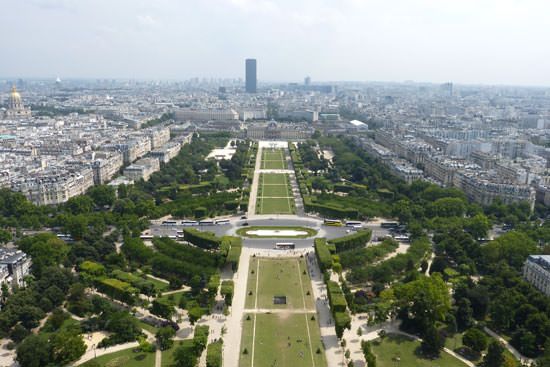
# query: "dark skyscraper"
[[250, 75]]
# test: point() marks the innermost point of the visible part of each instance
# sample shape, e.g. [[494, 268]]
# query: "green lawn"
[[282, 340], [150, 328], [276, 191], [273, 159], [274, 194], [168, 356], [275, 206], [280, 337], [274, 179], [161, 286], [279, 277], [125, 358], [273, 155], [174, 297], [244, 232], [393, 347], [278, 164]]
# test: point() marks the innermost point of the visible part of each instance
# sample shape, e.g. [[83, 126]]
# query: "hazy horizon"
[[470, 42]]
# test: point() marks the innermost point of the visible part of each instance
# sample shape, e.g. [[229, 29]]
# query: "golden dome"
[[14, 93]]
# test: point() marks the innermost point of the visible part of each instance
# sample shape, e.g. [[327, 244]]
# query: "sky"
[[463, 41]]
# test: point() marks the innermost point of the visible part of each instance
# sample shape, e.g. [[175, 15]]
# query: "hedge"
[[342, 320], [163, 308], [117, 289], [234, 253], [227, 290], [336, 297], [329, 210], [213, 283], [92, 268], [323, 254], [200, 338], [146, 287], [214, 354], [231, 205], [207, 240], [356, 240]]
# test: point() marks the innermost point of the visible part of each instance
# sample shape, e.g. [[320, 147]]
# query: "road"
[[329, 232]]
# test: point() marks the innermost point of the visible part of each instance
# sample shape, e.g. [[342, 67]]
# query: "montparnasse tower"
[[16, 109]]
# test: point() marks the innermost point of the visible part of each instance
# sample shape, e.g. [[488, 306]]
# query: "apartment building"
[[56, 187], [106, 165], [18, 265], [142, 169], [536, 271]]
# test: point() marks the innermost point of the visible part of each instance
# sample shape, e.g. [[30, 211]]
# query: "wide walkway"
[[333, 351], [232, 339]]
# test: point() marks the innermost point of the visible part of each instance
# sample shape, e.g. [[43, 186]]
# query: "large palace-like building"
[[16, 109]]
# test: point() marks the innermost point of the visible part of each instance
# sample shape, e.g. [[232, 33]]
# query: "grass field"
[[392, 347], [274, 194], [273, 159], [282, 340], [280, 334], [124, 358], [279, 277]]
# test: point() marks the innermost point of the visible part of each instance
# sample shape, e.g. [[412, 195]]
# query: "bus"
[[389, 224], [285, 246], [187, 222], [402, 238], [146, 237], [354, 224], [222, 221], [208, 222], [332, 222], [169, 223]]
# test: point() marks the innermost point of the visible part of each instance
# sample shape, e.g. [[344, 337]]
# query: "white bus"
[[169, 223], [405, 239], [222, 221], [354, 224], [187, 222], [332, 222], [146, 237], [285, 246], [207, 222]]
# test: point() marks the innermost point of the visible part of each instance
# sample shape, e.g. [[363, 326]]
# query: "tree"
[[494, 356], [102, 195], [80, 204], [45, 249], [512, 247], [525, 341], [433, 342], [5, 236], [30, 316], [164, 337], [67, 347], [463, 314], [475, 339], [185, 355], [477, 226], [195, 313], [34, 351], [422, 302]]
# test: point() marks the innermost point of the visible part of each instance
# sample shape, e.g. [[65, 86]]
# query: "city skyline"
[[495, 43]]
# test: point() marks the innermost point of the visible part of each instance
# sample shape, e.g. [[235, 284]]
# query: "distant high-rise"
[[250, 75], [307, 80]]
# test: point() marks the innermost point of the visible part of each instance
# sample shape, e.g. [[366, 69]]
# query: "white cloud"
[[146, 20]]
